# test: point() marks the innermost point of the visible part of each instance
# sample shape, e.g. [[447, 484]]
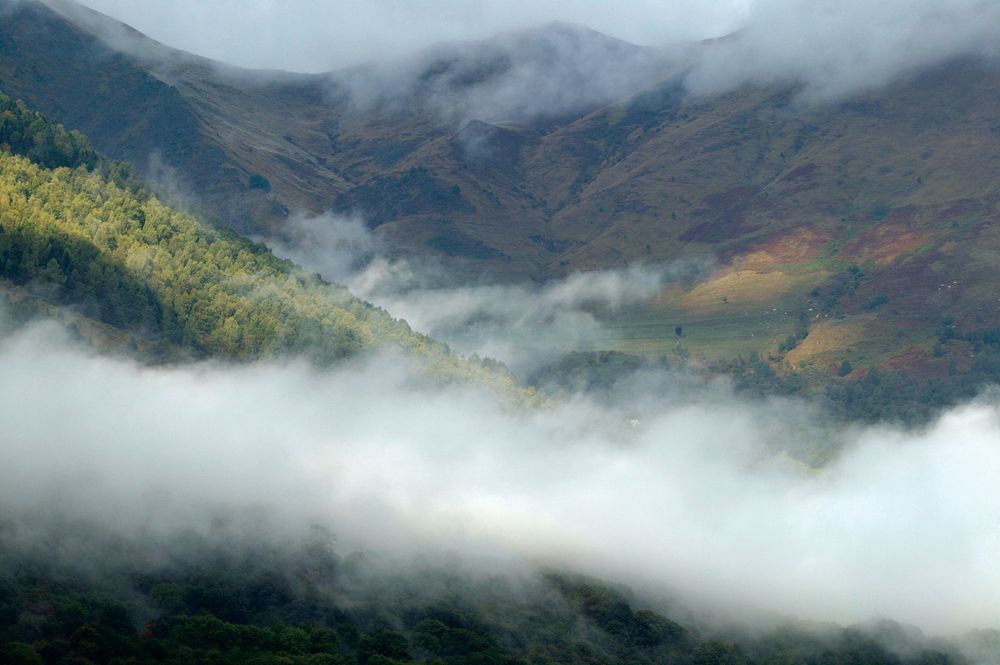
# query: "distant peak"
[[564, 29]]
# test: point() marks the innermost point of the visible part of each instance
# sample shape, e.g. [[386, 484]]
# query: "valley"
[[546, 347]]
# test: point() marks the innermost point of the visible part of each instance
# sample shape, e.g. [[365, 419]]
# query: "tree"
[[257, 181], [715, 652]]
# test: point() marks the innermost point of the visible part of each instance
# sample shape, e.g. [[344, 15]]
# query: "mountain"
[[861, 230], [218, 126]]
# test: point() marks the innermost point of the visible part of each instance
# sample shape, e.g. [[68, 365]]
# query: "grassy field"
[[738, 312], [732, 313], [652, 331]]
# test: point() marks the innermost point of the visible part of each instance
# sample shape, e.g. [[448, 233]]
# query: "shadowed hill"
[[305, 603]]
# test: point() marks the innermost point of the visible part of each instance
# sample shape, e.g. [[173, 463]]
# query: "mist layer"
[[691, 497]]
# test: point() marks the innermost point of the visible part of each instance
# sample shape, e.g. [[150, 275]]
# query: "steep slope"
[[345, 141], [87, 235], [900, 187], [865, 223], [131, 105], [427, 151]]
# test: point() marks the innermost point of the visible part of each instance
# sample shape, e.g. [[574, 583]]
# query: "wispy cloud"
[[525, 325], [833, 48]]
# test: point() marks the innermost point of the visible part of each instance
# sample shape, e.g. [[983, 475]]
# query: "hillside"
[[304, 603], [88, 236], [131, 105], [865, 223]]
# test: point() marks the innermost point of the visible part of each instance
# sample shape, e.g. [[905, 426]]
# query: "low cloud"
[[319, 37], [844, 48], [491, 61], [336, 247], [524, 325], [517, 76], [680, 495]]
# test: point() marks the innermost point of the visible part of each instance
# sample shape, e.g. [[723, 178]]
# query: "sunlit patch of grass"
[[732, 313], [864, 339]]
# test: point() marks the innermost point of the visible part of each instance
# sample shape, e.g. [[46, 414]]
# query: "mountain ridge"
[[900, 182]]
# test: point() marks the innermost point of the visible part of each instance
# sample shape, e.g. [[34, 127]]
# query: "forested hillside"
[[29, 133], [78, 230], [304, 604]]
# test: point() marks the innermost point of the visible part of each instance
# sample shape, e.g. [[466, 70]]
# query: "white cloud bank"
[[692, 499], [847, 46]]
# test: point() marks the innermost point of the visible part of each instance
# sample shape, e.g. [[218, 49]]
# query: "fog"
[[339, 34], [520, 76], [691, 496], [675, 485], [846, 47], [831, 49], [525, 325]]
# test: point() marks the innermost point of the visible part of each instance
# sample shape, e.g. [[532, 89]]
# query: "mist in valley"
[[696, 498], [524, 324]]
